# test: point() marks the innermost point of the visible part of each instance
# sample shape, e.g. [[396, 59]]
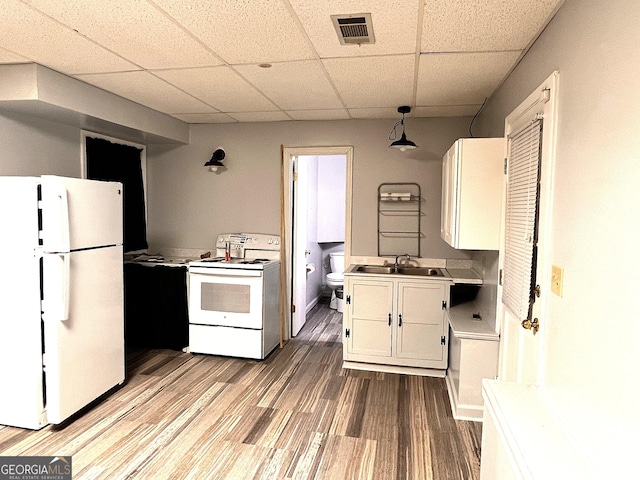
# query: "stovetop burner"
[[236, 260], [256, 260]]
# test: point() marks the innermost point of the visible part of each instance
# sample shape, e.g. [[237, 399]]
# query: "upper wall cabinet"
[[472, 185]]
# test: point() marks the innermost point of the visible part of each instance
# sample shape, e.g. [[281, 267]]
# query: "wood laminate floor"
[[296, 415]]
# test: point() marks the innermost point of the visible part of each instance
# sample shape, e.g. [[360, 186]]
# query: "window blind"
[[523, 177]]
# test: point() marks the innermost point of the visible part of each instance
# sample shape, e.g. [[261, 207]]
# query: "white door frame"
[[521, 351], [289, 154]]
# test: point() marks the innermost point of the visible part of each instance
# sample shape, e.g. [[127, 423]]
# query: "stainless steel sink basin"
[[421, 271], [375, 269], [390, 269]]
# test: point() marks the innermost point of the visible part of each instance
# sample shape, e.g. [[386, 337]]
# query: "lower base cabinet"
[[156, 312], [398, 322]]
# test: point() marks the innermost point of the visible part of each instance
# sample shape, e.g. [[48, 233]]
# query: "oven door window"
[[225, 297], [226, 300]]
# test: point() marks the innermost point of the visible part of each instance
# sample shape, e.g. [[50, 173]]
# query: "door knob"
[[533, 325]]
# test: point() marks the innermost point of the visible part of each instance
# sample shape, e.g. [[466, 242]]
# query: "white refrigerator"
[[61, 296]]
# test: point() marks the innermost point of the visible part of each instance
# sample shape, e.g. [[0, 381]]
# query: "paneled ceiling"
[[203, 61]]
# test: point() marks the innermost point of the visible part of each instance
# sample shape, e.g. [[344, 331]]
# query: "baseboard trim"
[[473, 413], [374, 367], [313, 303]]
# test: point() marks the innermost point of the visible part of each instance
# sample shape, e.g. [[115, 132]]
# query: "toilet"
[[335, 279]]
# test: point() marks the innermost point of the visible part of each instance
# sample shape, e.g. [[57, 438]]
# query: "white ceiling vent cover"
[[354, 29]]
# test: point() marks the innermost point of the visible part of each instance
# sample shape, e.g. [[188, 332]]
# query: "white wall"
[[590, 355], [332, 175], [314, 279], [31, 146], [189, 206]]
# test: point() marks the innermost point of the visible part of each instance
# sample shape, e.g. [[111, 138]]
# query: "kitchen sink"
[[390, 269], [375, 269], [420, 271]]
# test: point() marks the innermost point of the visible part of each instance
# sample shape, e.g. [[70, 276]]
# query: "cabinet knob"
[[399, 319], [389, 319]]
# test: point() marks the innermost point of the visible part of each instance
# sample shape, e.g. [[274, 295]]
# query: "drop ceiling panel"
[[243, 31], [259, 116], [332, 114], [388, 112], [373, 81], [220, 87], [41, 39], [394, 26], [134, 29], [461, 78], [482, 25], [144, 88], [205, 118], [197, 59], [447, 111], [293, 85], [9, 57]]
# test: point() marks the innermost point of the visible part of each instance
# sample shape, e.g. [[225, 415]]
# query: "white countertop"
[[464, 275], [166, 257], [164, 262], [464, 325]]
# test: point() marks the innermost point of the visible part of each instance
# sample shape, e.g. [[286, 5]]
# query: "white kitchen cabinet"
[[473, 356], [472, 187], [399, 322]]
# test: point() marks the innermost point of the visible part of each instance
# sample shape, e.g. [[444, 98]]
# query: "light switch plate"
[[556, 280]]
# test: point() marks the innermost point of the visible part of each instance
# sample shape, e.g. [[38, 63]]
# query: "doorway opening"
[[317, 223]]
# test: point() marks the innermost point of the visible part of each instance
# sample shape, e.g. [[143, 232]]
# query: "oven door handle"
[[226, 272]]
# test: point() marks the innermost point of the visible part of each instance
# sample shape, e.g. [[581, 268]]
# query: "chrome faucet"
[[397, 262]]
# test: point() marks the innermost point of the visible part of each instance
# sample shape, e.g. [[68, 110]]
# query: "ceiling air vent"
[[354, 29]]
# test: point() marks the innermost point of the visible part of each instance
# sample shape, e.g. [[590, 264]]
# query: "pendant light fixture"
[[404, 143]]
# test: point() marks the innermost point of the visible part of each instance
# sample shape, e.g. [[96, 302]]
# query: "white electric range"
[[234, 297]]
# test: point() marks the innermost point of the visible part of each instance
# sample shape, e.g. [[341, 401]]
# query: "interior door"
[[299, 268], [520, 308], [520, 348], [84, 354]]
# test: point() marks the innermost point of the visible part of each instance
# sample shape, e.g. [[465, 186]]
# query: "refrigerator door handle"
[[66, 279], [57, 286]]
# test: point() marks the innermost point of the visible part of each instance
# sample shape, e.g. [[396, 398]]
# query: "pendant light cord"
[[476, 115], [393, 130]]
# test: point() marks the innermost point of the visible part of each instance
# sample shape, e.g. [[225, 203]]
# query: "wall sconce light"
[[215, 164], [402, 144]]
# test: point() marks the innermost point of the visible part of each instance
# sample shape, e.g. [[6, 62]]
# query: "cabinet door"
[[370, 308], [448, 206], [472, 186], [420, 323]]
